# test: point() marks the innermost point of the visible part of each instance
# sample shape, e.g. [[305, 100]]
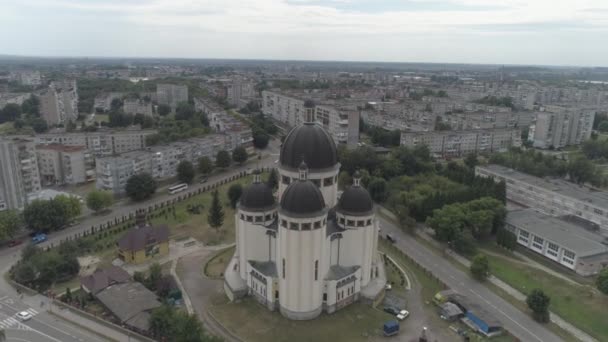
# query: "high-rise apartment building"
[[171, 94], [100, 143], [19, 175], [61, 164], [558, 127], [59, 103]]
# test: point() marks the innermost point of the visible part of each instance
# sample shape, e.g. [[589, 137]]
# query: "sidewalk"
[[574, 331]]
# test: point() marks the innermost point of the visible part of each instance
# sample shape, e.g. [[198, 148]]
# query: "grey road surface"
[[516, 322]]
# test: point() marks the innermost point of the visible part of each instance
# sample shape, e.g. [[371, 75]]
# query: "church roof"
[[311, 143]]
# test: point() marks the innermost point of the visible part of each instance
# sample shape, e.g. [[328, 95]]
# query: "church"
[[309, 249]]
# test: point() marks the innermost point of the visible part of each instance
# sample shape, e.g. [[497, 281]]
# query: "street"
[[516, 322]]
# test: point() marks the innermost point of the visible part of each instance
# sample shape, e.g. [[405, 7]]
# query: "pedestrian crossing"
[[15, 323]]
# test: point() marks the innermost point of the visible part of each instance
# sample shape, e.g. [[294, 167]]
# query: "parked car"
[[391, 310], [391, 328], [14, 243], [403, 314], [24, 315], [39, 238]]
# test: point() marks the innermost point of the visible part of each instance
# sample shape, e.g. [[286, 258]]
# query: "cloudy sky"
[[555, 32]]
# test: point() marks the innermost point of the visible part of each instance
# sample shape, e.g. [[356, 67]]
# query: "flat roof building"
[[570, 245]]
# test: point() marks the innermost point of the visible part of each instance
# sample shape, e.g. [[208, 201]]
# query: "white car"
[[403, 314], [24, 315]]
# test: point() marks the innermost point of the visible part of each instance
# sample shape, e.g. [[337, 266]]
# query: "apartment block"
[[113, 172], [239, 92], [342, 122], [448, 144], [171, 94], [16, 98], [100, 143], [103, 102], [59, 102], [137, 106], [562, 241], [236, 132], [555, 197], [27, 77], [61, 164], [19, 175], [557, 127]]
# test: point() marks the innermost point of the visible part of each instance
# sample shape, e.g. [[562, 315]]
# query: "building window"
[[350, 223], [294, 226], [523, 236], [242, 217], [317, 224], [249, 218], [286, 180], [552, 249], [316, 182], [360, 223], [268, 217], [328, 181], [369, 222], [537, 242], [305, 226], [259, 218], [283, 268], [283, 223], [316, 270], [341, 220]]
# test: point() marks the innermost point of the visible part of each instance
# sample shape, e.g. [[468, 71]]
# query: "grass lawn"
[[216, 266], [253, 322], [184, 224], [102, 118], [580, 305]]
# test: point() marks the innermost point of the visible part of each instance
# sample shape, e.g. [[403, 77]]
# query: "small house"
[[102, 278], [141, 244]]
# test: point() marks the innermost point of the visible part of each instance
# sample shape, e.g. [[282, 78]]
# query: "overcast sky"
[[555, 32]]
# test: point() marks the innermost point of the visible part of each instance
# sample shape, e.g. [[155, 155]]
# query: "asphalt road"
[[516, 322], [41, 327]]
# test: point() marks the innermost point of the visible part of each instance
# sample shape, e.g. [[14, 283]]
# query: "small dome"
[[302, 197], [355, 201], [310, 143], [257, 197]]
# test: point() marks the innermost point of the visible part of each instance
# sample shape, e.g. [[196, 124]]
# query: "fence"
[[149, 209]]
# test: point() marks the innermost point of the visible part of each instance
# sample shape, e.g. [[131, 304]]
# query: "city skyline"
[[444, 31]]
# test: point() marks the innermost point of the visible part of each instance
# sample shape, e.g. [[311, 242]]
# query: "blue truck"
[[391, 328], [39, 238]]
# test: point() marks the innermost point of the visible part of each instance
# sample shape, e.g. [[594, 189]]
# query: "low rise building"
[[137, 106], [581, 250], [555, 197], [141, 244], [171, 94], [447, 144]]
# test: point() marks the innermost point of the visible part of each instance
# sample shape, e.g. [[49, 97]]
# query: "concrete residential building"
[[310, 252], [113, 172], [61, 164], [27, 77], [103, 102], [447, 144], [19, 175], [239, 92], [137, 106], [342, 122], [59, 103], [16, 98], [171, 94], [555, 197], [566, 243], [558, 127], [100, 143]]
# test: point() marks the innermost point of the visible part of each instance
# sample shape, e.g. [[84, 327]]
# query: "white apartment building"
[[19, 175], [555, 197], [59, 103], [239, 92], [171, 94], [558, 127], [16, 98], [61, 164], [342, 122], [100, 143], [447, 144], [137, 106], [564, 242]]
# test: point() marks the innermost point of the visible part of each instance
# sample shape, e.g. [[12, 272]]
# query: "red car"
[[14, 243]]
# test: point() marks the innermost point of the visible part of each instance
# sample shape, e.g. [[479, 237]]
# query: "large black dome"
[[311, 142], [355, 201], [257, 197], [302, 197]]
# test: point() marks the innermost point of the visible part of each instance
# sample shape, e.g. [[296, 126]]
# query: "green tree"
[[163, 109], [234, 194], [98, 200], [39, 125], [260, 140], [539, 302], [31, 106], [155, 274], [44, 216], [581, 170], [10, 112], [273, 179], [140, 187], [10, 222], [185, 171], [205, 165], [239, 155], [222, 160], [471, 160], [71, 205], [480, 267], [602, 281], [162, 323], [184, 111], [506, 239], [215, 218], [344, 180], [377, 189], [603, 126]]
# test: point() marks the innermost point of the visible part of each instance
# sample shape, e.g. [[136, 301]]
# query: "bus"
[[178, 188]]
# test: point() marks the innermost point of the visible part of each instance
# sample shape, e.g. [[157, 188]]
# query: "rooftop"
[[560, 186], [138, 238], [60, 147], [568, 235], [102, 278], [267, 268], [337, 272], [131, 302]]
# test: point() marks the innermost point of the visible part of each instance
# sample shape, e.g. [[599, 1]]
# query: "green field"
[[216, 266], [580, 305]]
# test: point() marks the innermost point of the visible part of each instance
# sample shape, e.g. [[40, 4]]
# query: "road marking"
[[10, 322]]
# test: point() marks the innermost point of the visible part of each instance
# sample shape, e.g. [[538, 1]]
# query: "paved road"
[[515, 321], [41, 327]]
